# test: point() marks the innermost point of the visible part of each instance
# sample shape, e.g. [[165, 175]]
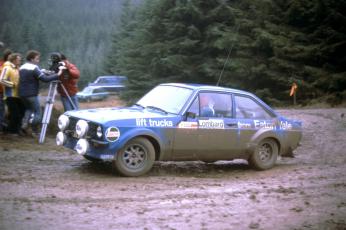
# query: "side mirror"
[[190, 115]]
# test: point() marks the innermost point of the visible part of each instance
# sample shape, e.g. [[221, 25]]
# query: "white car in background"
[[91, 93]]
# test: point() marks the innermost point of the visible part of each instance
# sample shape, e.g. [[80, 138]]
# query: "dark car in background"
[[112, 84], [92, 93]]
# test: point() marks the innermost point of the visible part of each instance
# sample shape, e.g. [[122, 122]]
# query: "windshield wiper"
[[156, 108]]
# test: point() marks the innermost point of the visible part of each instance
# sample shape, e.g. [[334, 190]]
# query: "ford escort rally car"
[[181, 122]]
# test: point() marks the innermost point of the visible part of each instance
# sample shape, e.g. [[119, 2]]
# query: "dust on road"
[[49, 187]]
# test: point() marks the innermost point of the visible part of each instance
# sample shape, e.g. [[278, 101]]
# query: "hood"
[[83, 94], [103, 115]]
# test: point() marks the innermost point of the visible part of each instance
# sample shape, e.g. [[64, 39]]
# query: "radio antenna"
[[227, 59]]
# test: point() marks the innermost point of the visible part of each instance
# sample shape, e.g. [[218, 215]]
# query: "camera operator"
[[30, 76], [69, 79]]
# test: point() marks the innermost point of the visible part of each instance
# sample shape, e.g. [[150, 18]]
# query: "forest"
[[261, 46], [81, 29]]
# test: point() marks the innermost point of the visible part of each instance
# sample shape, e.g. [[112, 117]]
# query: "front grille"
[[71, 129], [72, 124]]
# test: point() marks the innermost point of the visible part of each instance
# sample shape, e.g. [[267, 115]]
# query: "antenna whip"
[[229, 54]]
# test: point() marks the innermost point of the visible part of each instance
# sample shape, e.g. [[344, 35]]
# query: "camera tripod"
[[49, 106]]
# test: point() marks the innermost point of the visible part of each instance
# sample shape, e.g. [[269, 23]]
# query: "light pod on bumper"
[[82, 146], [99, 132], [81, 128], [63, 122], [60, 138]]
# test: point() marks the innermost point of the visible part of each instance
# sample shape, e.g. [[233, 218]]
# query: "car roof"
[[207, 87], [111, 76], [199, 87]]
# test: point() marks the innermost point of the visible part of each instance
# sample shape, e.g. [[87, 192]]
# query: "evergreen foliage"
[[81, 29], [275, 43]]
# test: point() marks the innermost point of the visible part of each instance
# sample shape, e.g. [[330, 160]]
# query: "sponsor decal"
[[153, 123], [112, 134], [285, 125], [264, 125], [188, 125], [242, 125], [211, 124]]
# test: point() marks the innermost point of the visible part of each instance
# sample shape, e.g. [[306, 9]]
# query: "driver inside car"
[[206, 106]]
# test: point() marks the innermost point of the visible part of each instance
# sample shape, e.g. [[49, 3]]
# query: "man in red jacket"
[[69, 80]]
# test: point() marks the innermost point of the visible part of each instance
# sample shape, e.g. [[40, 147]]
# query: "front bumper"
[[96, 149]]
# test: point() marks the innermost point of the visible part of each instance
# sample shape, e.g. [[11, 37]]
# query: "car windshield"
[[166, 98]]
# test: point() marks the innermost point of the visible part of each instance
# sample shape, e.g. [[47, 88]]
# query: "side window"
[[101, 90], [222, 104], [248, 108], [209, 104]]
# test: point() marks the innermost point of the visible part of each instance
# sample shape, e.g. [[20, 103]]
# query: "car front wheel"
[[136, 158], [265, 154]]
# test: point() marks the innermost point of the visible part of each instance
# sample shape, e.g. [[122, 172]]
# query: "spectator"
[[30, 75], [9, 78], [69, 80], [7, 52]]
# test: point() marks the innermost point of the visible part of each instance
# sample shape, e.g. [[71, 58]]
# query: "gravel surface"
[[49, 187]]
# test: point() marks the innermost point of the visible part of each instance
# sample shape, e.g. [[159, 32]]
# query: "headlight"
[[63, 122], [82, 146], [60, 138], [81, 128], [99, 132]]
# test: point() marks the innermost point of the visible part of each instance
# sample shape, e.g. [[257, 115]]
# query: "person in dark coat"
[[30, 76]]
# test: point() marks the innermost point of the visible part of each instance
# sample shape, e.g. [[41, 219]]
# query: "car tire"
[[135, 158], [265, 155]]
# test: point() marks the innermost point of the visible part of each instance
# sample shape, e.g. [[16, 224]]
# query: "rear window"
[[247, 107]]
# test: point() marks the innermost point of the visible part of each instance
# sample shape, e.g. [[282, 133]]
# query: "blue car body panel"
[[185, 135]]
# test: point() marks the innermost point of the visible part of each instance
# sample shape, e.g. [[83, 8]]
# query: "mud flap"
[[288, 153]]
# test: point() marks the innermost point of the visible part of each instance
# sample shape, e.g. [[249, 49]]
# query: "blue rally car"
[[181, 122]]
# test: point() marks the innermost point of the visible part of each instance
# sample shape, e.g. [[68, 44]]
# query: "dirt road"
[[46, 187]]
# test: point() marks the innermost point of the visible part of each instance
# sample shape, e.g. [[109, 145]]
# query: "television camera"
[[56, 63]]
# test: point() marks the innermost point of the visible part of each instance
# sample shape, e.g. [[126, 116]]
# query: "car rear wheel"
[[265, 154], [136, 158]]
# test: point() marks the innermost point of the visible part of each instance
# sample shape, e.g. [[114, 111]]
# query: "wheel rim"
[[265, 152], [134, 156]]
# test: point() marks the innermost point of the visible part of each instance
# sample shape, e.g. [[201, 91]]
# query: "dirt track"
[[46, 187]]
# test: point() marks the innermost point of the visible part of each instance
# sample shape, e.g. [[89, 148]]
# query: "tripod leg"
[[68, 97], [48, 110]]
